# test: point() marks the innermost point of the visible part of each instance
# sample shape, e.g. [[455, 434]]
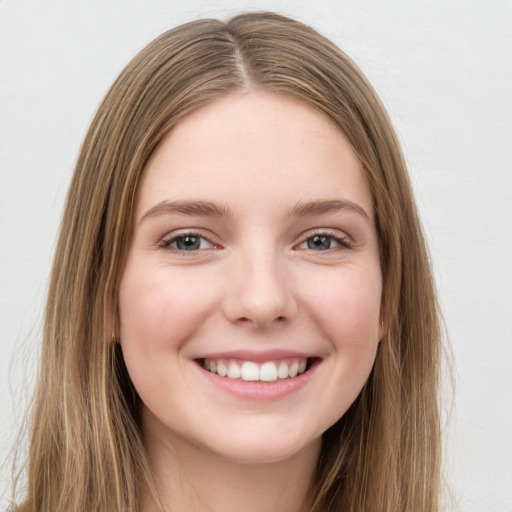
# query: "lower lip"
[[259, 390]]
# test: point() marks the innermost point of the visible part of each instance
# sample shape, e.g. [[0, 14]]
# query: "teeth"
[[249, 371], [268, 372], [233, 371], [282, 372], [222, 369]]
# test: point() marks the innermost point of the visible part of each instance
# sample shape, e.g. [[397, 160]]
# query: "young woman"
[[241, 314]]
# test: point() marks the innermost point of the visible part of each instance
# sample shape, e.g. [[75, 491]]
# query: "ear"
[[383, 326], [111, 324]]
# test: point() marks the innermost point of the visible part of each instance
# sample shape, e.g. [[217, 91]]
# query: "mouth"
[[264, 371]]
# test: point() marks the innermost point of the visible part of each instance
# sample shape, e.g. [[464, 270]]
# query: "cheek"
[[159, 308], [348, 312], [348, 309]]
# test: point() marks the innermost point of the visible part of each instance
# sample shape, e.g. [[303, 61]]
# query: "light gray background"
[[444, 70]]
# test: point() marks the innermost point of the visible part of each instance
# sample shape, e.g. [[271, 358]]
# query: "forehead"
[[269, 148]]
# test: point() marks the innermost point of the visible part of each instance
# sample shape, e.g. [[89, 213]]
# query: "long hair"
[[86, 450]]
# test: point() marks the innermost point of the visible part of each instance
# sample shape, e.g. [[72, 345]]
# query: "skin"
[[256, 282]]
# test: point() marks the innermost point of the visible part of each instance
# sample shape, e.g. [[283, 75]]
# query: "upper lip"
[[257, 355]]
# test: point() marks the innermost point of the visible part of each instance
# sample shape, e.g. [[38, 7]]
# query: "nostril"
[[245, 320]]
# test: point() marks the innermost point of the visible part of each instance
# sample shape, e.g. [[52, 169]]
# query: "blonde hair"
[[86, 450]]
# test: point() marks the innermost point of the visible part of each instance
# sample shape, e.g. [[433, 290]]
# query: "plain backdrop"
[[444, 70]]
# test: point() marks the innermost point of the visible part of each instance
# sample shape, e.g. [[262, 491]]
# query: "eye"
[[324, 242], [187, 242]]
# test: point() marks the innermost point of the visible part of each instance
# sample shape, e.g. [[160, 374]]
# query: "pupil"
[[321, 243], [188, 243]]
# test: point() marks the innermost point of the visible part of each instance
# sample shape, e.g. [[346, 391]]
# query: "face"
[[250, 300]]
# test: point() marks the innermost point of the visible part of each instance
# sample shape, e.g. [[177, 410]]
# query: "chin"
[[269, 449]]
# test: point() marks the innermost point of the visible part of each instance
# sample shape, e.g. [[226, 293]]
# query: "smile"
[[250, 371]]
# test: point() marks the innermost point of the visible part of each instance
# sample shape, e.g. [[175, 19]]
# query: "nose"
[[260, 291]]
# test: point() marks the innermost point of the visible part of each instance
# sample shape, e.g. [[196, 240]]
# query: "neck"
[[189, 478]]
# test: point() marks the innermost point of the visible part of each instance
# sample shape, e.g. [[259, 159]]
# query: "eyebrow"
[[200, 208], [210, 209], [320, 207]]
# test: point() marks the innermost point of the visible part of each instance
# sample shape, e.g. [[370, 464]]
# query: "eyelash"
[[166, 243], [343, 241]]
